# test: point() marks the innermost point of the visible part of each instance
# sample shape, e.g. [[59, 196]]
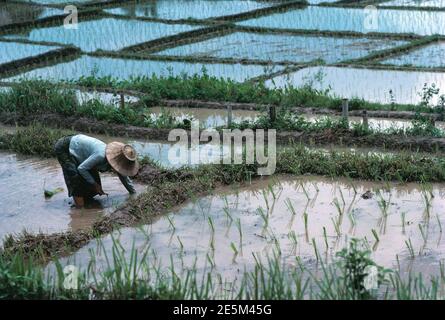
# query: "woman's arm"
[[90, 163], [128, 184]]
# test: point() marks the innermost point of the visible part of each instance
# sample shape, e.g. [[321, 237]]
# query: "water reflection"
[[17, 13], [384, 86], [180, 9]]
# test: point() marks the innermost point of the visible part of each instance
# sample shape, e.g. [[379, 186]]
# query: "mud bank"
[[326, 137], [86, 125]]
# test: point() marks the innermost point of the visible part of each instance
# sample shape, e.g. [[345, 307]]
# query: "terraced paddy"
[[430, 56], [94, 34], [371, 85], [177, 9], [346, 19], [135, 70], [125, 69], [283, 48], [14, 51]]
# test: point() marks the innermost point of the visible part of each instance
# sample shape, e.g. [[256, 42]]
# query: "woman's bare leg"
[[79, 202]]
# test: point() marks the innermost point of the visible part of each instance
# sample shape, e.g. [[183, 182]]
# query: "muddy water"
[[271, 213], [207, 117], [211, 118], [24, 207], [379, 124]]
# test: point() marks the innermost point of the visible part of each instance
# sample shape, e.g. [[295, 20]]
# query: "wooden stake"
[[229, 115], [365, 119]]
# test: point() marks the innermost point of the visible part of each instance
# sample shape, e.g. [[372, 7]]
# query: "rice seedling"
[[290, 206], [211, 261], [439, 223], [226, 210], [271, 191], [305, 191], [314, 245], [240, 232], [277, 245], [403, 216], [325, 237], [383, 204], [409, 245], [336, 226], [427, 196], [235, 251], [305, 219], [264, 216], [51, 193], [292, 236], [171, 223], [181, 245], [342, 197], [338, 207], [266, 200], [351, 183], [352, 218], [376, 236], [211, 224], [424, 234]]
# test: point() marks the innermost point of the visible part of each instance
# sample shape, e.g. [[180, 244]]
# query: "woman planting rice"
[[83, 157]]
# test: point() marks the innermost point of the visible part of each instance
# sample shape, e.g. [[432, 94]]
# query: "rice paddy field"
[[353, 91]]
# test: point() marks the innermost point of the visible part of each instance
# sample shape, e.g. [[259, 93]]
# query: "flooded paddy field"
[[300, 219], [432, 55], [104, 97], [15, 13], [371, 85], [211, 118], [346, 19], [283, 47], [94, 34], [238, 225], [13, 51], [177, 9], [64, 2], [415, 3], [127, 68]]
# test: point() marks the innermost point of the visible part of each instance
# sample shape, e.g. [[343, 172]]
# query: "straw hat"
[[122, 158]]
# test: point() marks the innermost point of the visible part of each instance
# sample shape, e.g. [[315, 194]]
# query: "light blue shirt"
[[90, 154]]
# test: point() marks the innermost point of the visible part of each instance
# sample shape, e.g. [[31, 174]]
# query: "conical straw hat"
[[122, 158]]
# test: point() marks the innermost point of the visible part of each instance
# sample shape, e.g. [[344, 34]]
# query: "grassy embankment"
[[39, 97]]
